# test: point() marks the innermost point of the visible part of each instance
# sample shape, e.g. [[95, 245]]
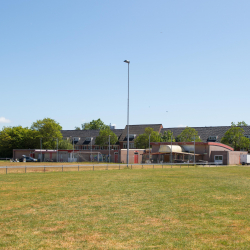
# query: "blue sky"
[[64, 60]]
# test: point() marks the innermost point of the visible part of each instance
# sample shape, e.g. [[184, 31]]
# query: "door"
[[116, 157], [166, 158], [136, 157]]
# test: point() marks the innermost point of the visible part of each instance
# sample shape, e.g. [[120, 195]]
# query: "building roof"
[[206, 132], [203, 132], [197, 143], [138, 130], [82, 136]]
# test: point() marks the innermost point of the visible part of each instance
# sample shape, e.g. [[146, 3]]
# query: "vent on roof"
[[88, 138], [212, 138], [131, 137]]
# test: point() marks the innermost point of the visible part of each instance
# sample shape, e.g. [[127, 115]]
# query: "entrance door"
[[166, 158], [136, 157], [116, 157]]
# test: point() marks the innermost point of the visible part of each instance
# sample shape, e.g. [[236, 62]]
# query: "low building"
[[189, 152]]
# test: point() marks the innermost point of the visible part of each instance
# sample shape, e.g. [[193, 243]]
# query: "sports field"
[[178, 208]]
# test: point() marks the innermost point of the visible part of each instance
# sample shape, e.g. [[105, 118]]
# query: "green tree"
[[65, 144], [235, 138], [77, 128], [142, 141], [17, 138], [188, 135], [94, 125], [103, 138], [239, 124], [48, 129], [166, 137]]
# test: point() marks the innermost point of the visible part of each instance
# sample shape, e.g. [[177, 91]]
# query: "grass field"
[[187, 208]]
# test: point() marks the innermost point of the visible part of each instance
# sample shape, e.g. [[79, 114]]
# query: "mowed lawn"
[[187, 208]]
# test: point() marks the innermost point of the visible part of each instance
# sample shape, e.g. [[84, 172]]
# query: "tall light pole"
[[171, 149], [73, 147], [41, 148], [128, 62], [194, 149], [149, 149], [57, 149], [91, 147], [109, 148]]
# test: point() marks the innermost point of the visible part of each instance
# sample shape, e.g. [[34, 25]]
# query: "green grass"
[[187, 208]]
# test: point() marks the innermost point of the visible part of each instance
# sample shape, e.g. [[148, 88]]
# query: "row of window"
[[96, 147], [131, 145]]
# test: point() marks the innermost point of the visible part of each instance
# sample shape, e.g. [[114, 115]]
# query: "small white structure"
[[167, 149], [245, 159]]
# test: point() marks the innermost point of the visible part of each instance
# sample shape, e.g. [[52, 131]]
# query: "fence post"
[[78, 168], [119, 166], [44, 169], [107, 167], [62, 168], [25, 169], [93, 167], [6, 169]]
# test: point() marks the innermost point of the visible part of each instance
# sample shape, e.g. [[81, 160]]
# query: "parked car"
[[28, 159]]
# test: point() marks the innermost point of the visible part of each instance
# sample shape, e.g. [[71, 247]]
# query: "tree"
[[65, 144], [77, 128], [188, 135], [235, 138], [166, 137], [47, 129], [142, 141], [239, 124], [103, 138], [94, 125], [17, 138]]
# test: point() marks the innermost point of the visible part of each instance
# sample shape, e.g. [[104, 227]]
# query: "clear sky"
[[64, 60]]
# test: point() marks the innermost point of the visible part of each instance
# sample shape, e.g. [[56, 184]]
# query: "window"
[[218, 159]]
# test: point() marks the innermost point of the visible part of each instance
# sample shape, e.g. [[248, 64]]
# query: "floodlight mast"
[[128, 62]]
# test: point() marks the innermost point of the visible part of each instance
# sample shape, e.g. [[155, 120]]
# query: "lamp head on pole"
[[126, 61]]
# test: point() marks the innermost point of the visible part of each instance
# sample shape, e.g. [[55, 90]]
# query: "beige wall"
[[18, 153], [229, 157], [131, 155]]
